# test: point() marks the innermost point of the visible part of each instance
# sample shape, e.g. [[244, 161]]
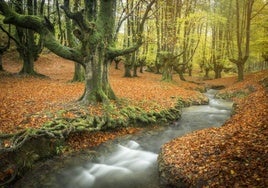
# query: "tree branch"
[[122, 19], [10, 36], [39, 25], [259, 10], [112, 52], [79, 19]]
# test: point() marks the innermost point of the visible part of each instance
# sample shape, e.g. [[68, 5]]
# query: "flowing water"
[[129, 162]]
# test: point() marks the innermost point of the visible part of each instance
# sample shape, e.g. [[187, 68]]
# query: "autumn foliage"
[[234, 155], [29, 102]]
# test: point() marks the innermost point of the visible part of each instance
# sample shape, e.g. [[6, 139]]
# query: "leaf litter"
[[234, 155]]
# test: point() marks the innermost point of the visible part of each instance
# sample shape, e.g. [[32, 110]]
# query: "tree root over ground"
[[20, 151]]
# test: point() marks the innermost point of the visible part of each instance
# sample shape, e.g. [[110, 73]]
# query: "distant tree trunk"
[[168, 60], [28, 56], [61, 33], [1, 62], [141, 62], [240, 69], [158, 37], [135, 64], [27, 48], [167, 74], [167, 39], [79, 72], [180, 72], [135, 71], [243, 24], [117, 65], [128, 63], [207, 73], [117, 60], [128, 66], [218, 71], [190, 69]]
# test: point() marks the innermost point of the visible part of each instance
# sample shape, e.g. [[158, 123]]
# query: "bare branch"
[[112, 52], [78, 18], [122, 19], [259, 10]]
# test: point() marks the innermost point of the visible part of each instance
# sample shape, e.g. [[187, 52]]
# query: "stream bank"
[[129, 161], [234, 155]]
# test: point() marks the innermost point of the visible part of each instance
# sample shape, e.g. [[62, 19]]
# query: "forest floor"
[[234, 155], [30, 101]]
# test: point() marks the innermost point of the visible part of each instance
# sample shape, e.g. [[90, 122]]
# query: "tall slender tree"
[[242, 23]]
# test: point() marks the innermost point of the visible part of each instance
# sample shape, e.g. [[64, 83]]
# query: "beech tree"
[[4, 45], [242, 20], [96, 36], [28, 44], [166, 27]]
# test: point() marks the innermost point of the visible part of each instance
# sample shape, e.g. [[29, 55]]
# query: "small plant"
[[61, 149]]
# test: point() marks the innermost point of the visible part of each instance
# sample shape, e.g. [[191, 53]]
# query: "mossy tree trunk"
[[79, 72], [26, 46], [167, 60], [97, 46], [27, 54], [128, 66]]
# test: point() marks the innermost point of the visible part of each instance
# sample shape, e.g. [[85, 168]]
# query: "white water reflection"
[[120, 169]]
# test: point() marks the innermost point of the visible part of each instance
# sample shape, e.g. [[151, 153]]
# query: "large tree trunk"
[[180, 71], [105, 80], [28, 64], [28, 54], [97, 84], [97, 87]]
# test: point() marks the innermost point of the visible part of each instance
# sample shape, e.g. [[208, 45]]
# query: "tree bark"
[[1, 62], [240, 69], [242, 34], [97, 49]]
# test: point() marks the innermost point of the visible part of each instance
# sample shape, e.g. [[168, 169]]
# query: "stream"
[[130, 161]]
